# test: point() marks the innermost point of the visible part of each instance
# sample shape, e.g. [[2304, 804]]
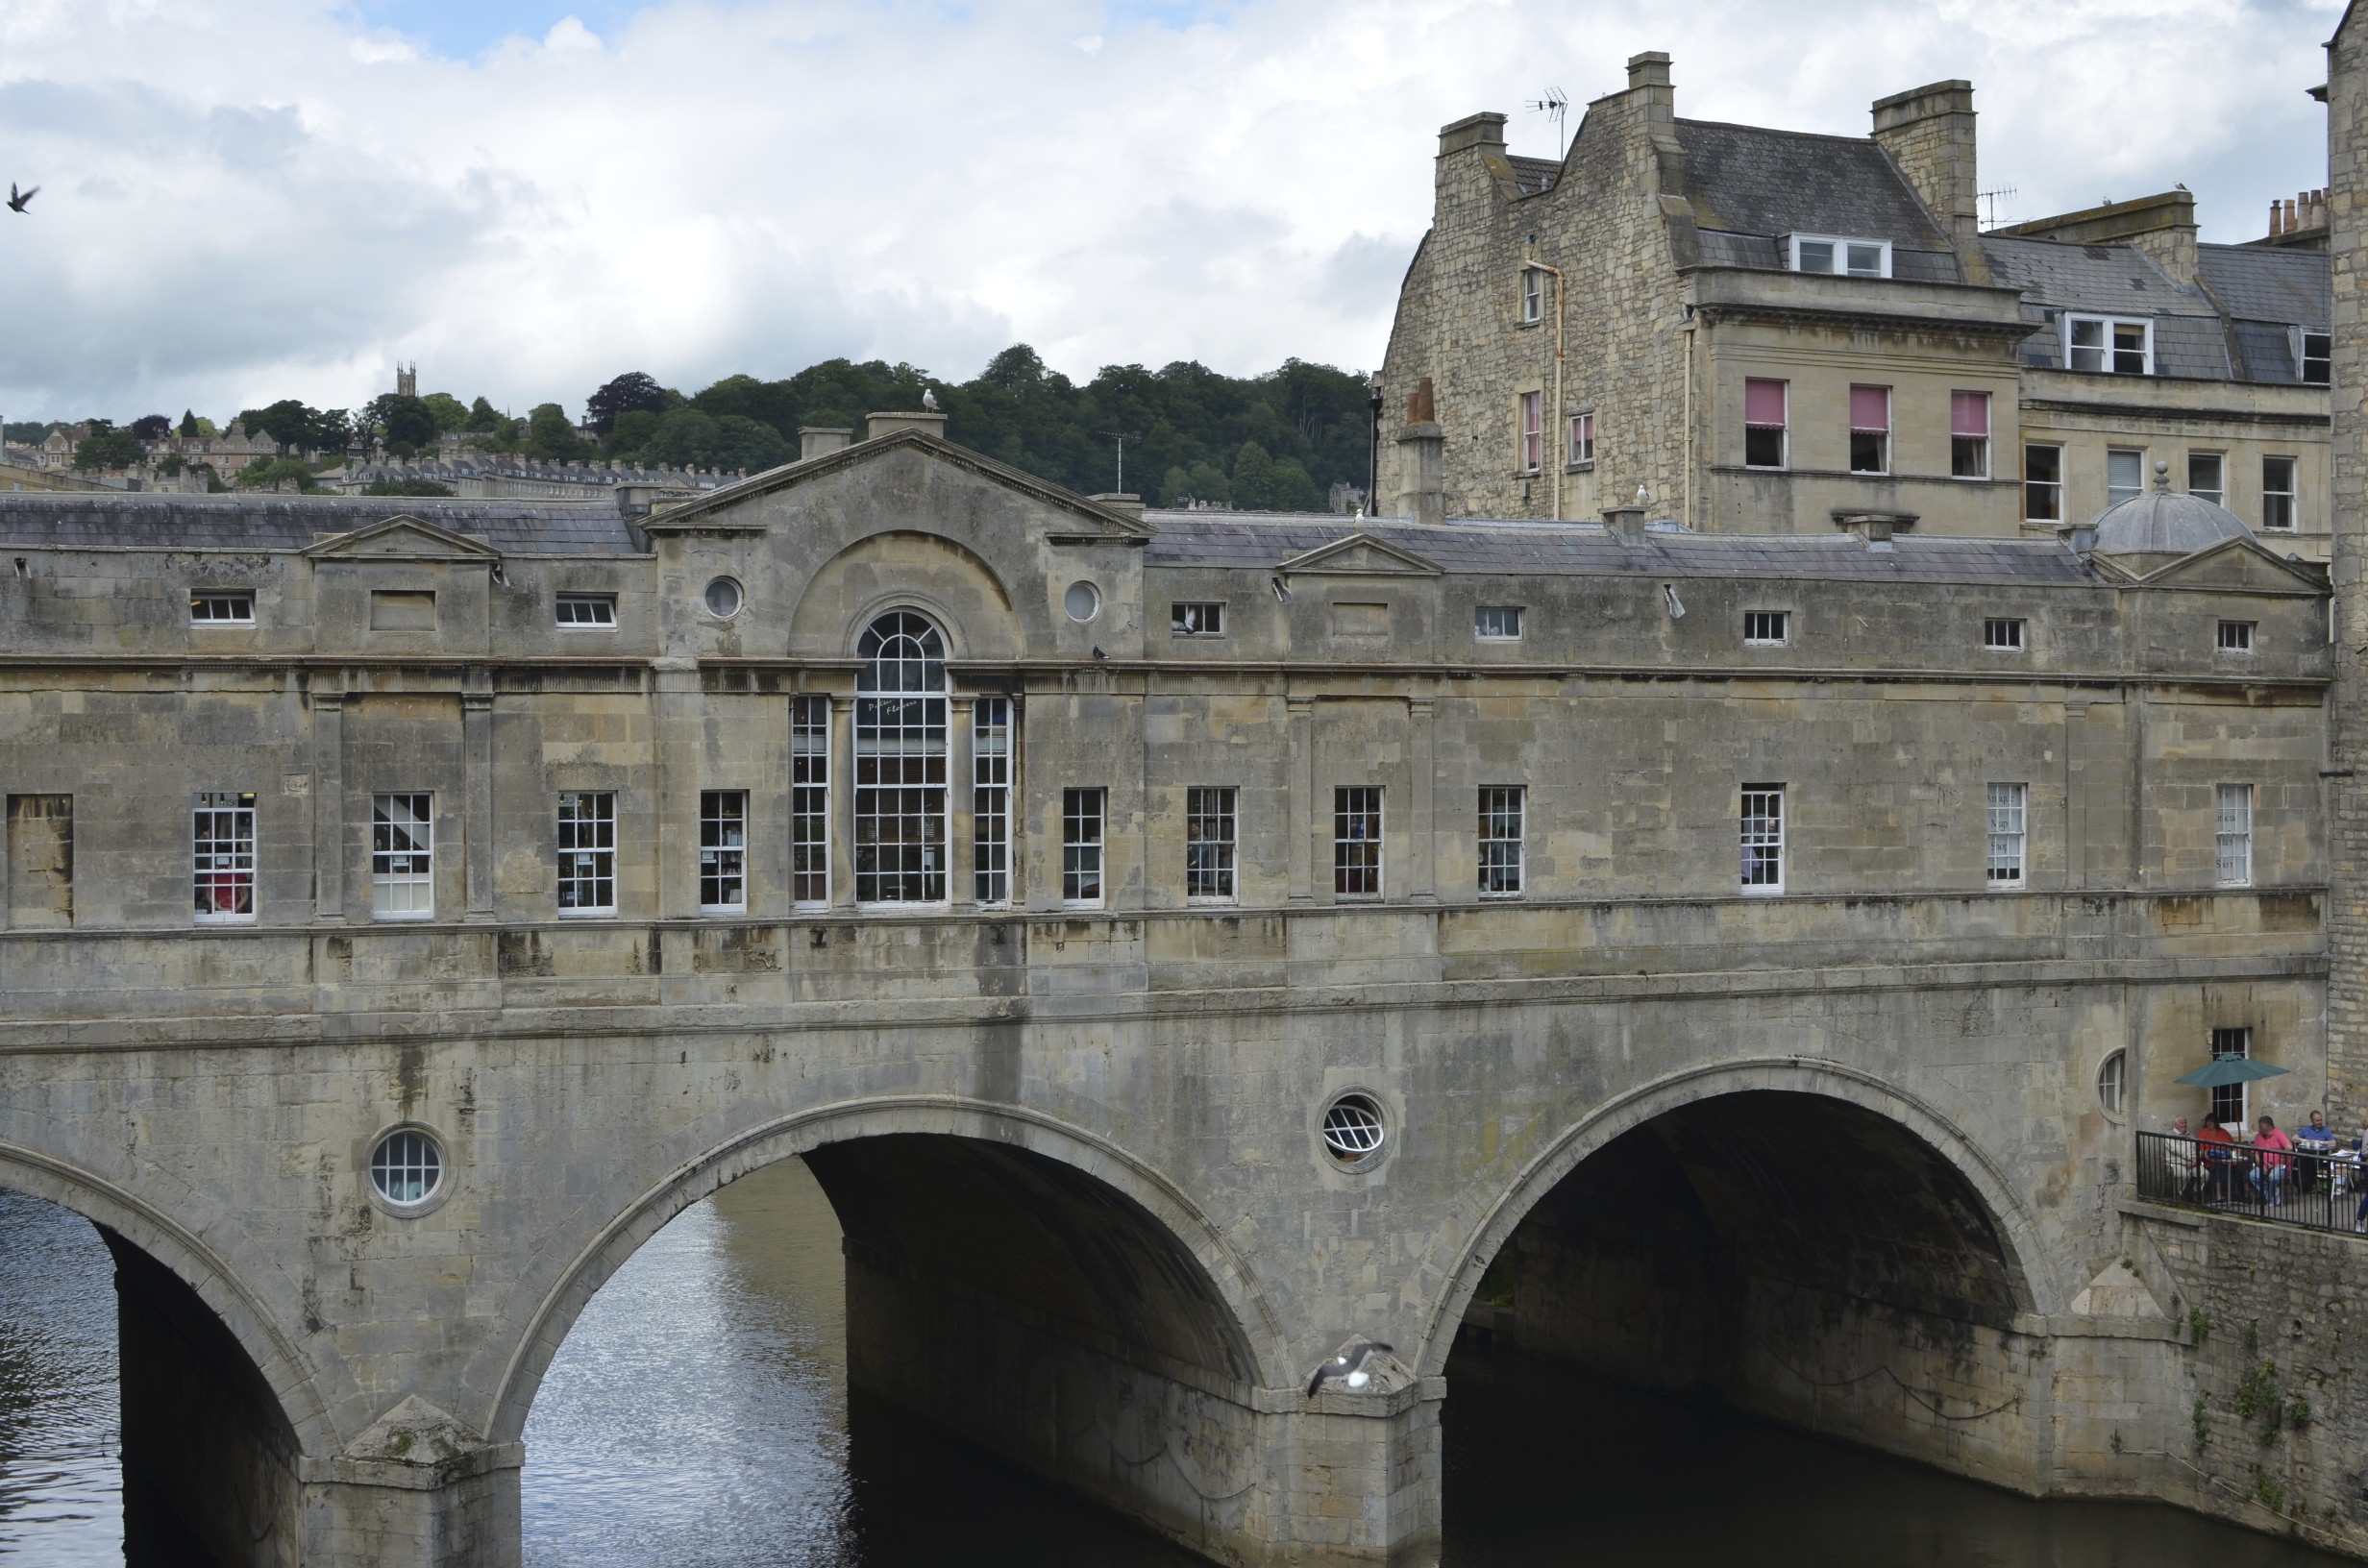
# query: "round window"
[[2112, 1080], [1082, 602], [1352, 1130], [723, 597], [406, 1168]]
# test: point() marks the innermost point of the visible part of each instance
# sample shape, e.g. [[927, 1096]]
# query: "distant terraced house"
[[1775, 331]]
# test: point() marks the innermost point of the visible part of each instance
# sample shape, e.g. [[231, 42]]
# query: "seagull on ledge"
[[1348, 1367], [928, 399]]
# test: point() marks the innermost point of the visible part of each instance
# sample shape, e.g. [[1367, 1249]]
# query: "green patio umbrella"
[[2229, 1069]]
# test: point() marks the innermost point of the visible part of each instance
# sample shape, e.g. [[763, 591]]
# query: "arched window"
[[900, 763]]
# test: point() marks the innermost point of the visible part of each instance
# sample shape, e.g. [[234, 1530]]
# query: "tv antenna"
[[1991, 197], [1554, 103], [1121, 437]]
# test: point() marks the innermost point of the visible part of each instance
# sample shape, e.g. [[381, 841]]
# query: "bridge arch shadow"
[[1011, 1281], [214, 1401], [1792, 1240]]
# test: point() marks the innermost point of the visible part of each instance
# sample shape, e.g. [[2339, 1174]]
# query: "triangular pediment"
[[403, 538], [1092, 520], [2242, 565], [1361, 555]]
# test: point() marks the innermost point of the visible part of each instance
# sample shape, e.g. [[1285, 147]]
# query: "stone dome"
[[2165, 522]]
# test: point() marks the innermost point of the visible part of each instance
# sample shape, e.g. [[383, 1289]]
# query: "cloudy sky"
[[251, 199]]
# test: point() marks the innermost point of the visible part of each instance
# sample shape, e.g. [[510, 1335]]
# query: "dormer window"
[[1837, 253], [2315, 354], [2108, 344]]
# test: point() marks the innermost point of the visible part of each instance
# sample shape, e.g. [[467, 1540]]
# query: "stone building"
[[1176, 941], [1776, 332]]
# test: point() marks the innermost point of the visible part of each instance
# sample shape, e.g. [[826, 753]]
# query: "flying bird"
[[928, 399], [1348, 1367], [19, 198]]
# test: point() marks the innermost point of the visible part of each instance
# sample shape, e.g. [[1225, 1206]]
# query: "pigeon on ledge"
[[1348, 1367]]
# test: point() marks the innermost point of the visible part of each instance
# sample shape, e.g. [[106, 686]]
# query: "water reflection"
[[61, 1483], [697, 1416]]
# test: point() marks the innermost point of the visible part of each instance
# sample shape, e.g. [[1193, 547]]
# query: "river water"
[[697, 1416]]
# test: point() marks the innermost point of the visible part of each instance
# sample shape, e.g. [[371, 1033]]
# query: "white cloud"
[[269, 199]]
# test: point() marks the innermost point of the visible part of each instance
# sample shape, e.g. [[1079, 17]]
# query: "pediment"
[[1090, 520], [402, 538], [2238, 564], [1361, 555]]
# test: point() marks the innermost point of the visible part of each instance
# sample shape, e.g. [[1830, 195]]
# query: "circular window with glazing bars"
[[723, 598], [1353, 1129], [406, 1168]]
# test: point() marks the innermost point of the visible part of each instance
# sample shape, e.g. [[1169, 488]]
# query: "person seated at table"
[[2270, 1147], [2219, 1154], [2185, 1158], [2311, 1144]]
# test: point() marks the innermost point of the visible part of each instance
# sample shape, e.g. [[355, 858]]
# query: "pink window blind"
[[1870, 407], [1969, 413], [1764, 402]]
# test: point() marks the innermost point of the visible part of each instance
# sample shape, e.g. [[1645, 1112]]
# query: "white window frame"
[[1211, 845], [2005, 634], [1981, 451], [809, 801], [723, 850], [2291, 494], [2108, 328], [2116, 494], [1356, 808], [1531, 421], [222, 857], [1761, 828], [1839, 256], [2232, 835], [585, 850], [221, 607], [2235, 636], [1196, 618], [2239, 1040], [1784, 430], [1582, 452], [902, 735], [1480, 627], [2009, 815], [2304, 358], [602, 608], [402, 856], [1533, 296], [1085, 848], [1503, 826], [1767, 628], [991, 750]]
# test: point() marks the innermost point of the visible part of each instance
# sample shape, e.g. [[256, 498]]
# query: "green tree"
[[405, 487], [449, 412], [188, 422], [486, 418], [633, 392], [107, 446], [1255, 481], [266, 472], [550, 436], [405, 424]]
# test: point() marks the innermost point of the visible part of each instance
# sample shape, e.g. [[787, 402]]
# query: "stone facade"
[[1645, 278]]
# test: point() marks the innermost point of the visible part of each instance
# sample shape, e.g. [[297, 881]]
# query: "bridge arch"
[[1233, 1314], [2031, 1288]]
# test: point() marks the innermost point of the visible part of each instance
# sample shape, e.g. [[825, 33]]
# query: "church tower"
[[407, 379]]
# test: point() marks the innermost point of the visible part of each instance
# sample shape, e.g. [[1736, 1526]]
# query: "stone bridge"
[[1092, 1221]]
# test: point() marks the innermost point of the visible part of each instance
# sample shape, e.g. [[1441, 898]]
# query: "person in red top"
[[2270, 1148], [2219, 1155]]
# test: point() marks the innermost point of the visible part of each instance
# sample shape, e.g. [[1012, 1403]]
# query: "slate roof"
[[1749, 182], [1266, 540], [2288, 286], [1534, 173], [2190, 338], [139, 520]]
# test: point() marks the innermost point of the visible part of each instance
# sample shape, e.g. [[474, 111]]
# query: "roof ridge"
[[1780, 131]]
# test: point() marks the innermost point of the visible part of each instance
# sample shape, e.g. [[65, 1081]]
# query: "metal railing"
[[2293, 1186]]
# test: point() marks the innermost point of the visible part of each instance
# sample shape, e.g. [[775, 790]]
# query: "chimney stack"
[[1422, 459], [1649, 82], [1929, 132], [814, 440]]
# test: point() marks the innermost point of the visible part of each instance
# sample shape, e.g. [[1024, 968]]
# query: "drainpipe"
[[1561, 436]]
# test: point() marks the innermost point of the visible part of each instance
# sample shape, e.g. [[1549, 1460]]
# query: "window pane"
[[222, 856], [1865, 260], [2234, 835], [991, 799], [1764, 836], [2086, 337], [722, 849], [2043, 483], [809, 800], [1870, 408], [1817, 254], [2129, 349], [1081, 846], [900, 763], [1356, 843], [2006, 834], [2204, 476], [1209, 843], [1764, 402], [2276, 491], [2124, 476], [402, 856], [587, 851], [1501, 809]]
